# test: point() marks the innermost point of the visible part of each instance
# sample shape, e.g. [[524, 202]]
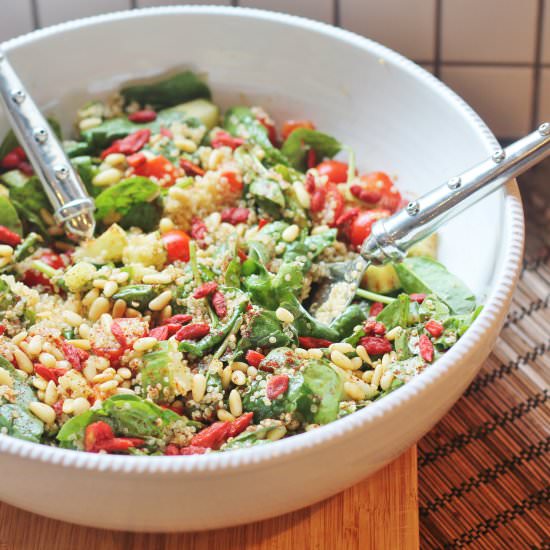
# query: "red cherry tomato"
[[336, 171], [290, 125], [362, 224], [32, 277], [379, 184], [176, 243], [329, 205], [160, 168]]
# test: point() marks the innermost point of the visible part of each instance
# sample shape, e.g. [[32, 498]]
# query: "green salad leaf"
[[302, 140], [9, 217]]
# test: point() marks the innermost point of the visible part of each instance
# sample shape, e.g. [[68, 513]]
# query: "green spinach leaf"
[[9, 217], [302, 140]]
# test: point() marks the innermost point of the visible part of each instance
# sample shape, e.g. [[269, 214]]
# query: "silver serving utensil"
[[392, 237], [72, 206]]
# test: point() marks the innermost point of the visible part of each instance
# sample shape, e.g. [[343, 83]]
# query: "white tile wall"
[[546, 33], [501, 95], [488, 30], [16, 18], [57, 11], [544, 105], [406, 26], [314, 9]]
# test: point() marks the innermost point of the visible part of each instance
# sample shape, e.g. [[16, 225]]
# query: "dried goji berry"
[[311, 158], [235, 215], [160, 333], [242, 255], [240, 425], [434, 328], [376, 345], [223, 139], [171, 450], [119, 335], [141, 117], [74, 355], [134, 142], [347, 216], [180, 319], [375, 327], [308, 342], [192, 450], [426, 348], [2, 329], [118, 444], [317, 200], [219, 304], [366, 195], [277, 385], [198, 229], [254, 358], [136, 160], [212, 437], [196, 331], [190, 168], [376, 308], [26, 168], [310, 183], [205, 289], [49, 374], [262, 222], [9, 237], [419, 298], [234, 181], [96, 433]]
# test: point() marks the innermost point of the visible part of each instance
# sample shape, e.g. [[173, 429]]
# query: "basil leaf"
[[427, 276], [301, 140], [168, 92]]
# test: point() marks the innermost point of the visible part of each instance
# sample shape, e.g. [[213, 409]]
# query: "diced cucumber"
[[381, 279], [201, 109]]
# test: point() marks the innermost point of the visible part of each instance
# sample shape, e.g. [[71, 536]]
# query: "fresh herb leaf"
[[301, 140], [9, 217]]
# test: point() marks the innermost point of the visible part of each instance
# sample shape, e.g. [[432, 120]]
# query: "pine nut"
[[84, 330], [341, 360], [144, 344], [124, 391], [80, 405], [89, 123], [132, 313], [90, 296], [276, 434], [362, 352], [42, 411], [119, 309], [166, 312], [315, 353], [105, 376], [356, 363], [72, 318], [354, 391], [235, 403], [239, 365], [124, 373], [19, 337], [225, 416], [284, 315], [120, 277], [185, 145], [166, 224], [226, 376], [252, 372], [110, 288], [48, 347], [47, 359], [199, 387], [23, 362], [158, 278], [99, 283], [50, 393], [161, 301], [378, 372], [100, 306], [386, 380], [115, 159], [393, 333], [238, 378], [89, 371], [6, 378], [107, 177], [301, 194], [35, 345], [386, 359], [68, 406], [301, 352], [82, 343], [108, 386], [367, 376], [342, 347], [291, 233], [5, 251]]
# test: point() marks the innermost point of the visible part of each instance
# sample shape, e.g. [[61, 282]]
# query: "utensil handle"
[[392, 237], [71, 203]]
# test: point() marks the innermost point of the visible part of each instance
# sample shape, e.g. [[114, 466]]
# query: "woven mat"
[[484, 471]]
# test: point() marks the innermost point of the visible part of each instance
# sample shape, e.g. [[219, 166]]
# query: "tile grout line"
[[35, 15], [133, 4], [437, 37], [336, 13], [538, 65]]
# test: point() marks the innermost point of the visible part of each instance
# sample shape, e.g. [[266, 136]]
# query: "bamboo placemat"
[[483, 470]]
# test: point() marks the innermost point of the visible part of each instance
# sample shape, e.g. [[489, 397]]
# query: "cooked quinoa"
[[184, 326]]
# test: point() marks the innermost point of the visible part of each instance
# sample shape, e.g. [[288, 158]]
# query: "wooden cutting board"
[[379, 513]]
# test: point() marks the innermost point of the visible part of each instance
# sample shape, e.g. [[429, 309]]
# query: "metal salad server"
[[72, 206], [392, 237]]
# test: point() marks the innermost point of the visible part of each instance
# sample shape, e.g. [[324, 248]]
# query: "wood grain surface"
[[379, 513]]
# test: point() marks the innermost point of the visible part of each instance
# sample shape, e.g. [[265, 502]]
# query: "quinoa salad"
[[184, 326]]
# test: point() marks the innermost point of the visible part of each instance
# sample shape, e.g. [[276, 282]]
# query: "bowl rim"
[[335, 431]]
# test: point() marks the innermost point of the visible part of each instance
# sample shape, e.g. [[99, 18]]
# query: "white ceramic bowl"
[[398, 118]]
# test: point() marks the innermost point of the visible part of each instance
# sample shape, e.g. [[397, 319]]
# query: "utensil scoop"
[[391, 237], [72, 206]]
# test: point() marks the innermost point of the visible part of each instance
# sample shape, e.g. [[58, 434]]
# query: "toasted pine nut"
[[166, 224], [6, 378], [315, 353], [225, 416], [161, 301], [47, 359], [68, 406], [386, 380], [238, 378], [19, 337], [108, 386], [226, 376], [5, 251], [239, 365], [124, 373], [356, 363], [39, 383], [378, 372], [132, 313], [107, 177], [355, 391], [276, 433], [110, 288], [393, 333], [80, 405], [23, 362], [82, 343], [84, 330], [100, 306], [362, 352], [158, 278], [50, 393], [342, 347], [89, 371], [251, 371], [119, 308], [284, 315], [341, 360], [291, 233], [72, 318], [90, 296], [235, 403], [105, 376], [35, 345], [115, 159], [199, 387], [89, 123], [144, 344], [301, 194], [42, 411]]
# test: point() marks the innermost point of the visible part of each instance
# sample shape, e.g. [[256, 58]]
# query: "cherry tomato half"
[[176, 243], [362, 225], [290, 125], [160, 168], [330, 205], [336, 171], [380, 184], [32, 277]]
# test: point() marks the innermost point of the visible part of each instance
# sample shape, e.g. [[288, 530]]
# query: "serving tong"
[[391, 237], [73, 208]]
